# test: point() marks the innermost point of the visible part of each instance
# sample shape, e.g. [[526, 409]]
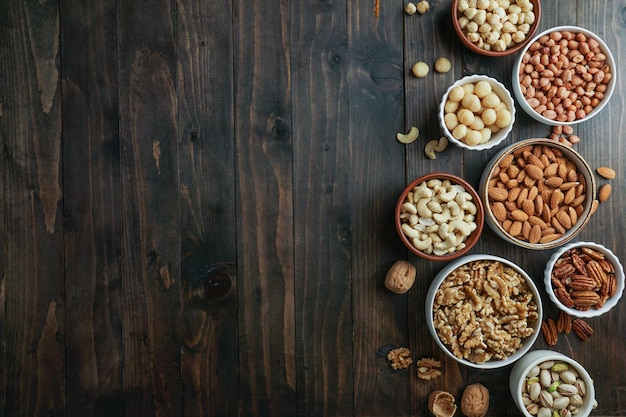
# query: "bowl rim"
[[619, 275], [441, 276], [580, 162], [479, 217], [504, 132], [515, 82], [535, 357], [509, 51]]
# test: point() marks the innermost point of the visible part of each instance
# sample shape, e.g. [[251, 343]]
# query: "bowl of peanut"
[[548, 383], [495, 27], [584, 279], [564, 75], [476, 112], [537, 193], [439, 216], [483, 311]]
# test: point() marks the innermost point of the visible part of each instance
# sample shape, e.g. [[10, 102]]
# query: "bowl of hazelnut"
[[439, 216], [476, 112], [584, 279], [564, 75], [495, 27], [537, 193], [468, 311]]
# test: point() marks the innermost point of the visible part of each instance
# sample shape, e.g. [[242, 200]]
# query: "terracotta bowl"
[[475, 210], [460, 20]]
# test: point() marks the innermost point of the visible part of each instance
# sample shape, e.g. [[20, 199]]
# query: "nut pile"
[[564, 75], [474, 111], [582, 278], [438, 217], [536, 194], [553, 388], [495, 25], [484, 310]]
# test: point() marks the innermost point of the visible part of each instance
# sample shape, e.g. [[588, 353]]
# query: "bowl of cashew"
[[439, 216]]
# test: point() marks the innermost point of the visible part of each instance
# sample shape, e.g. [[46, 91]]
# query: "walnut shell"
[[475, 401], [441, 404], [400, 277]]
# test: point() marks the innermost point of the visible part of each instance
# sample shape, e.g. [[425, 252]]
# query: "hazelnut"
[[441, 404], [400, 277], [475, 401]]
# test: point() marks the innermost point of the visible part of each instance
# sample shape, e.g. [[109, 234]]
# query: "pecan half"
[[595, 270], [564, 323], [563, 270], [548, 328], [582, 329], [563, 296], [583, 283], [585, 298]]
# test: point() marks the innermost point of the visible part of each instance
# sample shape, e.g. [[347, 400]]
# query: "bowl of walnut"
[[483, 311], [584, 279], [537, 193], [495, 27]]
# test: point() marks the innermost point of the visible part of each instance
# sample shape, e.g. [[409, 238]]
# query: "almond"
[[554, 182], [499, 211], [604, 192], [564, 219], [534, 172], [519, 215], [606, 172], [535, 234], [497, 194]]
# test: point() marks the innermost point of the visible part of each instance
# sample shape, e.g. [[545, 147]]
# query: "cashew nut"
[[442, 217], [442, 144], [422, 208], [434, 206], [408, 137], [455, 209], [461, 226], [429, 149], [421, 244], [409, 208], [409, 231]]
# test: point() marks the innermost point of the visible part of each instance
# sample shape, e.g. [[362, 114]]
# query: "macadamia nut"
[[420, 69], [442, 64]]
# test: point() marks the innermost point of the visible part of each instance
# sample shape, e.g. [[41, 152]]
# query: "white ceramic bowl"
[[493, 363], [534, 358], [503, 94], [610, 86], [593, 312], [491, 172]]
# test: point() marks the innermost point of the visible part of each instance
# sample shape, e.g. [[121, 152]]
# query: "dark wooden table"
[[197, 206]]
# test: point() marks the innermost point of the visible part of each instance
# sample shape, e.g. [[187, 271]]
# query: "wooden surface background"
[[149, 147]]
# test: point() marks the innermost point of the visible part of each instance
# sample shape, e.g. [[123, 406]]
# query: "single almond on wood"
[[604, 192], [606, 172]]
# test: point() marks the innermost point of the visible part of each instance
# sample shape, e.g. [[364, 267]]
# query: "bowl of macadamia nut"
[[548, 383], [584, 279], [564, 75], [537, 193], [476, 112], [484, 311], [439, 216], [495, 27]]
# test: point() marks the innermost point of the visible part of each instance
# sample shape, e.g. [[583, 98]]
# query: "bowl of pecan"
[[584, 279], [483, 311], [537, 193], [564, 75]]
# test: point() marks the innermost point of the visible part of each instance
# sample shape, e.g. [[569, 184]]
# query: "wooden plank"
[[150, 210], [92, 201], [375, 74], [32, 276], [322, 201], [265, 207], [210, 359]]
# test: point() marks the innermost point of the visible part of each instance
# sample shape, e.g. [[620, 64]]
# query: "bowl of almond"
[[537, 193], [584, 279]]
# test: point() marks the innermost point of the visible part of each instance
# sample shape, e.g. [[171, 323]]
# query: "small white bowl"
[[592, 312], [502, 93], [491, 172], [489, 364], [517, 89], [536, 357]]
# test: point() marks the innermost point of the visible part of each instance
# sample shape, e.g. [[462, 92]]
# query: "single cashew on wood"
[[408, 137]]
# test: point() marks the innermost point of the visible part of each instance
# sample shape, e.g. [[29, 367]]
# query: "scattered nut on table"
[[400, 277], [434, 146], [399, 358], [441, 404], [409, 137], [410, 9], [428, 368], [420, 69], [423, 6], [475, 400], [442, 64]]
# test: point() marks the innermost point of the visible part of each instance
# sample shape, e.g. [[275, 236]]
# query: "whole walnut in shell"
[[400, 277], [475, 401], [441, 404]]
